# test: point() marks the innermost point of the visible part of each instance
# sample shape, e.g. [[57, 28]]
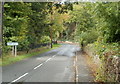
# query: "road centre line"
[[34, 69], [48, 60], [38, 66], [27, 73], [42, 63], [53, 55], [19, 78]]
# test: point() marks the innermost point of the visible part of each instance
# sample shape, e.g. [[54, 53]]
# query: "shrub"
[[45, 39], [88, 37]]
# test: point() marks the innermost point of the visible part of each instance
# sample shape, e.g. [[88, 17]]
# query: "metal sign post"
[[14, 47], [15, 50]]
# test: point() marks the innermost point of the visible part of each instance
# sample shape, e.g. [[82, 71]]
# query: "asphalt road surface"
[[53, 66]]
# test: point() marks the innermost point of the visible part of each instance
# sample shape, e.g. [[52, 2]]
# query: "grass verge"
[[6, 60]]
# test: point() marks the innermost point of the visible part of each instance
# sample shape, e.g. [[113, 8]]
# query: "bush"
[[45, 39], [23, 45], [108, 64], [88, 37]]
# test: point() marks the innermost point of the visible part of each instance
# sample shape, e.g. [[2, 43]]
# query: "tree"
[[56, 17], [27, 23], [15, 22], [109, 12], [37, 18]]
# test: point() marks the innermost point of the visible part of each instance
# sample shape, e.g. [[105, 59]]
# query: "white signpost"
[[14, 49]]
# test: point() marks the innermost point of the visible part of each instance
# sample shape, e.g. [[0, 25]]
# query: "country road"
[[53, 66]]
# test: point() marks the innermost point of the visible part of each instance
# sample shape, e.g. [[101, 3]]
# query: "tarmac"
[[83, 71]]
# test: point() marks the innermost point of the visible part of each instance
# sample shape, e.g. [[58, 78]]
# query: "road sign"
[[14, 49], [12, 43]]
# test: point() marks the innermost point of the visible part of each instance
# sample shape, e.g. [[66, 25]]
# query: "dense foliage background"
[[35, 23], [31, 24], [94, 25]]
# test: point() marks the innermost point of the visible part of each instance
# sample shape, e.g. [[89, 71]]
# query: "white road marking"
[[73, 48], [48, 60], [54, 55], [76, 56], [77, 74], [76, 69], [34, 69], [38, 66], [19, 77], [74, 63]]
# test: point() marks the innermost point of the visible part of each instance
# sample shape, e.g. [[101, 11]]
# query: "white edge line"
[[38, 66], [76, 58], [19, 77], [74, 62], [77, 74], [76, 70]]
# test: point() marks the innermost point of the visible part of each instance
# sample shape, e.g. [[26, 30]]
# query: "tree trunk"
[[51, 44], [51, 39]]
